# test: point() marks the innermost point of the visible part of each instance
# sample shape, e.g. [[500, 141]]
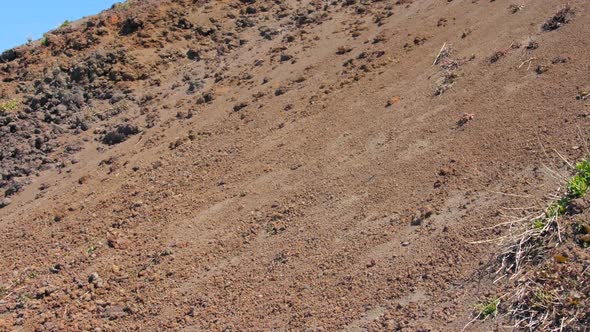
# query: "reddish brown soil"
[[336, 184]]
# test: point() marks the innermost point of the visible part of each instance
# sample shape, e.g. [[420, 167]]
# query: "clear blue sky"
[[22, 19]]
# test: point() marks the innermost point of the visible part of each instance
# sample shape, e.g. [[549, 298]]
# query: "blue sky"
[[24, 19]]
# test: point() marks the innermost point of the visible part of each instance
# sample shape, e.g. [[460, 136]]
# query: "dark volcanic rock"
[[120, 134], [130, 26]]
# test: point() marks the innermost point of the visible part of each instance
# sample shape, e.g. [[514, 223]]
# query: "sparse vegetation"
[[578, 184], [532, 306], [542, 298], [487, 308], [545, 225], [64, 24], [484, 309], [539, 224], [9, 106]]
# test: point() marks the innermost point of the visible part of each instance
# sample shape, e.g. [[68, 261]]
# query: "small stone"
[[115, 312], [393, 100], [95, 280], [5, 202], [55, 268], [405, 243], [421, 215], [285, 57], [118, 243], [41, 292], [239, 107]]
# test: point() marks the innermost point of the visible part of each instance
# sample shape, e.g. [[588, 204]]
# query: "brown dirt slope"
[[287, 165]]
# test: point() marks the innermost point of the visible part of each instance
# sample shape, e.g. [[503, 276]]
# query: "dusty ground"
[[283, 165]]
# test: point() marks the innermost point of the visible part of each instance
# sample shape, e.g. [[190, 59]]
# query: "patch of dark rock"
[[497, 56], [193, 55], [55, 268], [421, 215], [44, 292], [120, 134], [559, 60], [195, 85], [178, 142], [561, 18], [205, 98], [184, 115], [285, 57], [240, 106], [9, 55], [541, 69], [343, 50], [281, 91], [13, 188], [532, 45], [130, 26]]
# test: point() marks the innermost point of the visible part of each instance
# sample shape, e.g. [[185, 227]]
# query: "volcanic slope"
[[285, 165]]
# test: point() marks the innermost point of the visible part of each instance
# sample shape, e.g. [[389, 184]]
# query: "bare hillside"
[[299, 165]]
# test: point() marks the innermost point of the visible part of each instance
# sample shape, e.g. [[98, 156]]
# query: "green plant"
[[557, 208], [533, 304], [64, 24], [584, 167], [539, 224], [487, 308], [578, 186], [9, 106], [91, 250], [45, 41]]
